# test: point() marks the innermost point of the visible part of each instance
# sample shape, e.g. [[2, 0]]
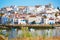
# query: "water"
[[12, 33]]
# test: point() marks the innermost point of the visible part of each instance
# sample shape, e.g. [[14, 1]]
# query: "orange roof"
[[22, 7], [32, 15]]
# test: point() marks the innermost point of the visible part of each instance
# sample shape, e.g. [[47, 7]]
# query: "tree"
[[58, 8], [56, 15], [33, 22], [1, 14], [44, 16]]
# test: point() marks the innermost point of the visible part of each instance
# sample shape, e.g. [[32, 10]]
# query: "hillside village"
[[38, 14]]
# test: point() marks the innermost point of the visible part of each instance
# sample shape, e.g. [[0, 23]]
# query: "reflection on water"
[[14, 33], [47, 32]]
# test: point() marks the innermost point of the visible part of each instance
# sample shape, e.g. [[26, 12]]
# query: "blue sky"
[[4, 3]]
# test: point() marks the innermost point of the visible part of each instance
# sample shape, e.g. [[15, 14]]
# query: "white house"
[[9, 9], [22, 9], [40, 9], [51, 15], [38, 19], [31, 18], [21, 21], [31, 9]]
